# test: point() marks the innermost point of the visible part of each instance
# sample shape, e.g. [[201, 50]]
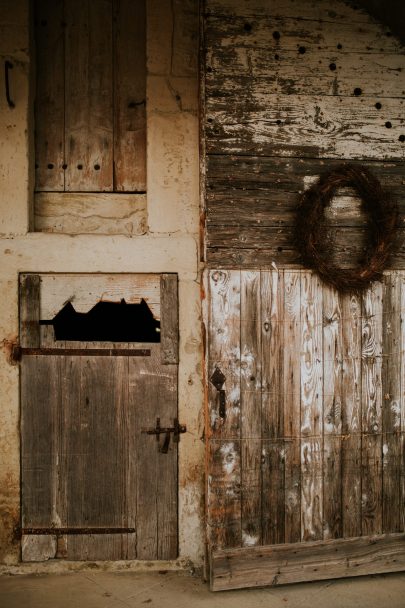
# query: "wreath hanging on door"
[[312, 238]]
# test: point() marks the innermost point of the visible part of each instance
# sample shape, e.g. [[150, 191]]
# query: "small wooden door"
[[306, 428], [94, 486]]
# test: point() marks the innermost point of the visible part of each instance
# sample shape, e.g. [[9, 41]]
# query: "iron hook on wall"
[[7, 67]]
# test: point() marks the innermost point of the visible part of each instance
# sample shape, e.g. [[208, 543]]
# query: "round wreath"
[[312, 234]]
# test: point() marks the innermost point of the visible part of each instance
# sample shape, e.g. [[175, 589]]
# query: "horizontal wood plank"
[[81, 213], [310, 561]]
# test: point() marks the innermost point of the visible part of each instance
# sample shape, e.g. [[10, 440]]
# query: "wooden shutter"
[[90, 95]]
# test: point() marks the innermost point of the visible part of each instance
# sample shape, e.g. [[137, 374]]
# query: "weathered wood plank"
[[291, 345], [371, 410], [334, 11], [332, 413], [310, 561], [49, 95], [88, 96], [129, 22], [84, 291], [251, 418], [144, 409], [264, 123], [351, 416], [392, 504], [273, 452], [402, 398], [311, 408], [38, 548], [311, 33], [29, 310], [325, 71], [167, 488], [169, 329], [224, 475], [96, 492], [260, 246], [81, 213]]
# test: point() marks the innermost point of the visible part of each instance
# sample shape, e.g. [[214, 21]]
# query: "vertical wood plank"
[[49, 96], [311, 408], [273, 446], [391, 411], [224, 474], [292, 404], [144, 408], [88, 96], [169, 319], [351, 416], [129, 95], [167, 487], [371, 413], [250, 387], [96, 483], [332, 414], [29, 310], [402, 401]]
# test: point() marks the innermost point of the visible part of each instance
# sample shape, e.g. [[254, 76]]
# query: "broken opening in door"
[[106, 322]]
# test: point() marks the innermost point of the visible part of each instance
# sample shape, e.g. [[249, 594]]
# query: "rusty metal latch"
[[218, 380], [158, 430]]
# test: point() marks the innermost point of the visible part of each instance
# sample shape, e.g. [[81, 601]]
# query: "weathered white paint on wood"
[[81, 213], [325, 359]]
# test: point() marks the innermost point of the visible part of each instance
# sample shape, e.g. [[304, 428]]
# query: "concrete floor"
[[182, 590]]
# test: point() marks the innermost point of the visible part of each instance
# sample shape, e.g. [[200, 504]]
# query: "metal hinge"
[[158, 430]]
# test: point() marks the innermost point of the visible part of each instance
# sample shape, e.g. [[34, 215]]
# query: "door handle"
[[218, 380]]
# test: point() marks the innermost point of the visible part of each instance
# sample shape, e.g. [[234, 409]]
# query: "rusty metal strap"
[[19, 352], [68, 531]]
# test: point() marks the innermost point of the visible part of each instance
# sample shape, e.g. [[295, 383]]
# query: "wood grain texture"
[[169, 328], [284, 97], [70, 404], [29, 291], [81, 213], [291, 346], [85, 290], [351, 415], [323, 362], [393, 499], [332, 414], [311, 408], [129, 31], [49, 95], [272, 424], [371, 411], [251, 418], [88, 96], [224, 476], [299, 562]]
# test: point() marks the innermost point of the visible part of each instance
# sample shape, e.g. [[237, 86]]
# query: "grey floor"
[[181, 590]]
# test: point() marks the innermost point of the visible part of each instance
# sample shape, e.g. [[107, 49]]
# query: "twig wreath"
[[311, 232]]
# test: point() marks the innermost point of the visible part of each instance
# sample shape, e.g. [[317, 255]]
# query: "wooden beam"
[[310, 561]]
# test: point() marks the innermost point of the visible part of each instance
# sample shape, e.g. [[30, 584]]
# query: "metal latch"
[[218, 380], [158, 430]]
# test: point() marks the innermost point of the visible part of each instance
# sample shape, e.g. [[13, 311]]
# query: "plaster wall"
[[170, 243]]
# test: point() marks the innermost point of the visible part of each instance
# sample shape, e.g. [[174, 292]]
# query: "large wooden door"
[[306, 443], [94, 485]]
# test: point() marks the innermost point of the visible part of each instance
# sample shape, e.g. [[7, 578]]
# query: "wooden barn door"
[[94, 483], [306, 428]]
